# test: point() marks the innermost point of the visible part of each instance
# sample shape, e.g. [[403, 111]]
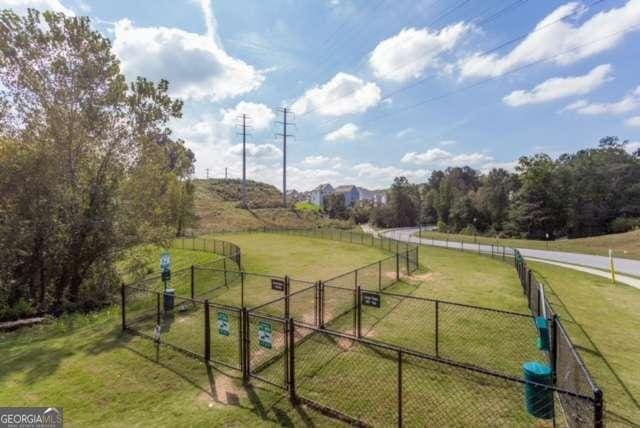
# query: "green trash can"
[[543, 330], [539, 400]]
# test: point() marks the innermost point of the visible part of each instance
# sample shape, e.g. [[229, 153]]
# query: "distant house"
[[351, 194], [317, 195], [376, 197]]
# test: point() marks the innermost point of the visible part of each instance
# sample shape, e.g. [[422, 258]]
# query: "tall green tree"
[[88, 165]]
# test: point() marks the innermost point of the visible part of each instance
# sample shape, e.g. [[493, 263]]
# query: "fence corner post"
[[124, 306], [598, 407], [207, 332], [397, 267], [193, 284], [554, 346], [437, 328]]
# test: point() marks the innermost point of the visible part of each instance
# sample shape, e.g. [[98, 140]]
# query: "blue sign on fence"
[[165, 261]]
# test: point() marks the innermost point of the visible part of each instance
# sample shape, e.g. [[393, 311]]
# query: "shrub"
[[624, 224]]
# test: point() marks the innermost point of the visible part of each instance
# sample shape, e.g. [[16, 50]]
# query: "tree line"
[[88, 166], [590, 192]]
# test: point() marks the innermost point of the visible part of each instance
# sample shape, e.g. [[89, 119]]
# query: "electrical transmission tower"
[[285, 122], [207, 173], [243, 124]]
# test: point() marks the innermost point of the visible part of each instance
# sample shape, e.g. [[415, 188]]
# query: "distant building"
[[351, 194], [317, 195]]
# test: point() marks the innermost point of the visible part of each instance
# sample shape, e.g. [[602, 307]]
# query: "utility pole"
[[244, 125], [285, 124], [225, 172]]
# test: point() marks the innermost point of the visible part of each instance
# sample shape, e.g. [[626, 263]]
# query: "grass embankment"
[[625, 245], [604, 321], [218, 208]]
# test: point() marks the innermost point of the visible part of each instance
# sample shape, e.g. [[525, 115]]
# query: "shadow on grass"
[[594, 351], [271, 411]]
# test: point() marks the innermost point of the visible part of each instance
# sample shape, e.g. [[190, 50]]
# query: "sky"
[[380, 88]]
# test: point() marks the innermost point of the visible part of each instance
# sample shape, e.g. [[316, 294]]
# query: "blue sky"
[[381, 88]]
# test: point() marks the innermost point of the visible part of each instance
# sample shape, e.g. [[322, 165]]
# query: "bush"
[[442, 226], [307, 207], [470, 230], [624, 224]]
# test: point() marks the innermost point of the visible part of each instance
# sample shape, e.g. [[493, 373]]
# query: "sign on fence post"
[[265, 337], [223, 323], [277, 284], [371, 299]]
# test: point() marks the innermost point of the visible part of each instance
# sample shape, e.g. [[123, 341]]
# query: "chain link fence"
[[368, 356]]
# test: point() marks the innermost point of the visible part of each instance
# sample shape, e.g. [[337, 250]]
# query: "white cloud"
[[437, 156], [259, 151], [628, 103], [348, 131], [320, 160], [633, 121], [632, 146], [370, 175], [343, 94], [196, 66], [561, 87], [410, 52], [20, 6], [404, 132], [259, 115], [448, 142], [564, 36]]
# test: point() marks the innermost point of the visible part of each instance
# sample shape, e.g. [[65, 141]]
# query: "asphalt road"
[[626, 266]]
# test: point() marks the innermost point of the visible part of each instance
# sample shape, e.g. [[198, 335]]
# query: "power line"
[[429, 77], [490, 79], [421, 57]]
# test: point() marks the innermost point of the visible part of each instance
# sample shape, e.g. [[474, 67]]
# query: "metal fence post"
[[554, 346], [397, 267], [207, 332], [193, 281], [400, 388], [244, 357], [124, 306], [242, 289], [379, 275], [437, 328], [598, 407], [355, 279], [286, 297], [224, 267], [292, 362], [157, 308], [407, 259], [359, 310], [321, 284]]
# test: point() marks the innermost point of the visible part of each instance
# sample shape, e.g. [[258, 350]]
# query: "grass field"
[[626, 245], [604, 322], [103, 378]]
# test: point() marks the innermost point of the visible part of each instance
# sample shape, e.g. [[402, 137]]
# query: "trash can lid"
[[170, 291], [537, 368], [541, 322]]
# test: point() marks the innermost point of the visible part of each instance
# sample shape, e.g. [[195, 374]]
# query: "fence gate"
[[266, 348]]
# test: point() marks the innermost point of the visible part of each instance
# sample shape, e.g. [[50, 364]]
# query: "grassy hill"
[[218, 207]]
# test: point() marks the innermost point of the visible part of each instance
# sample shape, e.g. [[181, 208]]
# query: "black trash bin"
[[169, 300]]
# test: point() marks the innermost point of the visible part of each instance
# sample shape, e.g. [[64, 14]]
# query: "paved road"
[[627, 266]]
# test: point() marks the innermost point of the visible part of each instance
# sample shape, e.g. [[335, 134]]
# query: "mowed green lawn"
[[101, 377], [604, 321], [626, 245]]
